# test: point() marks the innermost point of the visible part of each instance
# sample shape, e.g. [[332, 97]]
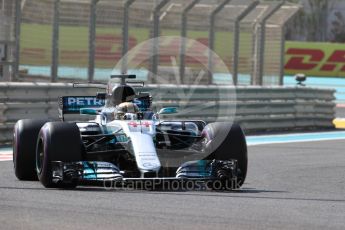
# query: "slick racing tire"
[[24, 148], [57, 141], [227, 141]]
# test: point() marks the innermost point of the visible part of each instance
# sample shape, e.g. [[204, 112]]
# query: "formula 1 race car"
[[127, 142]]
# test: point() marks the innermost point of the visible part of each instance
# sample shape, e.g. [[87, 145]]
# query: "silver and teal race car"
[[127, 142]]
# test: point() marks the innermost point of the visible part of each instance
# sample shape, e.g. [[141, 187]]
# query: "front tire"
[[227, 141], [57, 141], [24, 148]]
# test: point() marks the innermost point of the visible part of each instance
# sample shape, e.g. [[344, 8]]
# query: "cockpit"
[[124, 104], [127, 111]]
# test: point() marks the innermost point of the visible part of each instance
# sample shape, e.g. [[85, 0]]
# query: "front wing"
[[109, 175]]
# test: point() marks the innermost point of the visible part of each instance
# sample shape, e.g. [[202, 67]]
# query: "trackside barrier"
[[258, 109]]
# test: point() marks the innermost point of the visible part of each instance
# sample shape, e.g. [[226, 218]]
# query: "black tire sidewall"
[[45, 173], [24, 148], [61, 142]]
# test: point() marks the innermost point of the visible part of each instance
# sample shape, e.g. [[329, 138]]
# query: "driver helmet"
[[122, 93], [125, 109]]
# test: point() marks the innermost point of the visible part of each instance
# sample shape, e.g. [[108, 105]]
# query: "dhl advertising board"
[[315, 59]]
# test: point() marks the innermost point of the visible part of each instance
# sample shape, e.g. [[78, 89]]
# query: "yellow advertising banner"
[[315, 58]]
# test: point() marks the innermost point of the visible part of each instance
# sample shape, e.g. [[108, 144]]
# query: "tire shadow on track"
[[240, 193], [146, 191], [230, 194], [22, 188], [237, 194], [180, 191]]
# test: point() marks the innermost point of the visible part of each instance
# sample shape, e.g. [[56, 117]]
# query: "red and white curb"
[[6, 155]]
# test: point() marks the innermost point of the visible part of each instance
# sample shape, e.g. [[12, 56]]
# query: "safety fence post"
[[55, 41], [125, 36], [183, 38], [155, 40], [211, 39], [92, 39], [259, 54], [236, 41], [17, 28]]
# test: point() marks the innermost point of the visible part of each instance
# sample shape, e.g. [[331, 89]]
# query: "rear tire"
[[57, 141], [227, 141], [24, 148]]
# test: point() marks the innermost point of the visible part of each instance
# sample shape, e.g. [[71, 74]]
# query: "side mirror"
[[101, 96], [168, 110], [88, 111]]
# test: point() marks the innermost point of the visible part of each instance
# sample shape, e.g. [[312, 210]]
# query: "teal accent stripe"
[[300, 137]]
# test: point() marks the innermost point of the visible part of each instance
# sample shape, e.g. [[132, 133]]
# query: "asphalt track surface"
[[289, 186]]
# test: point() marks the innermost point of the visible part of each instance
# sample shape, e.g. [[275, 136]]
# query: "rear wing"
[[73, 104]]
